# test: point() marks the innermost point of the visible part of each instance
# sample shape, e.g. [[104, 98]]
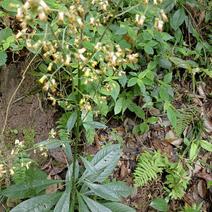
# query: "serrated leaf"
[[177, 19], [95, 206], [159, 204], [206, 145], [118, 207], [71, 121], [37, 204], [64, 202]]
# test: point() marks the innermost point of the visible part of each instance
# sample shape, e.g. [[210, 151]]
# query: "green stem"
[[77, 128]]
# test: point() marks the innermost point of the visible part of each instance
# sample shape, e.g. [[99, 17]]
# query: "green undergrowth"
[[98, 60]]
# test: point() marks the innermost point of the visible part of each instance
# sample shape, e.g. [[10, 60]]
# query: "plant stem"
[[77, 130]]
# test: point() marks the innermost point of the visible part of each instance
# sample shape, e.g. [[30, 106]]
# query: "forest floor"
[[31, 113]]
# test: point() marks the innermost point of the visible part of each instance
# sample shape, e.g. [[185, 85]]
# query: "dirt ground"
[[27, 111]]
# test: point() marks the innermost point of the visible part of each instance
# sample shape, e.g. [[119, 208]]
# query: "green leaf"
[[132, 82], [118, 105], [95, 124], [11, 6], [206, 145], [3, 58], [143, 127], [5, 33], [71, 121], [171, 113], [177, 19], [64, 202], [148, 49], [137, 110], [25, 190], [95, 206], [105, 161], [168, 78], [118, 207], [193, 152], [152, 120], [51, 143], [114, 191], [37, 204], [159, 204], [165, 63], [115, 89], [103, 191], [82, 206]]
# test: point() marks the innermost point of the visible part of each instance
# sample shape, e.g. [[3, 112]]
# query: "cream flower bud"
[[42, 79], [140, 19], [164, 16], [61, 17]]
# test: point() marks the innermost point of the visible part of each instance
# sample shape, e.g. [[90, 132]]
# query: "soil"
[[27, 111]]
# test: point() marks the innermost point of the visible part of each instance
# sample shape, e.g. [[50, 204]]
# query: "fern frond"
[[177, 180], [185, 117], [148, 167], [61, 125]]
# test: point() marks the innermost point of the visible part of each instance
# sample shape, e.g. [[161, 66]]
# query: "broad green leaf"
[[206, 145], [152, 120], [24, 190], [82, 206], [3, 58], [64, 202], [118, 105], [71, 121], [132, 82], [159, 204], [95, 125], [37, 204], [115, 89], [118, 207], [143, 127], [105, 161], [103, 191], [90, 171], [193, 152], [148, 49], [69, 173], [89, 129], [137, 110], [177, 19], [181, 63], [168, 78], [11, 5], [171, 113], [5, 33], [165, 63], [51, 143], [95, 206]]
